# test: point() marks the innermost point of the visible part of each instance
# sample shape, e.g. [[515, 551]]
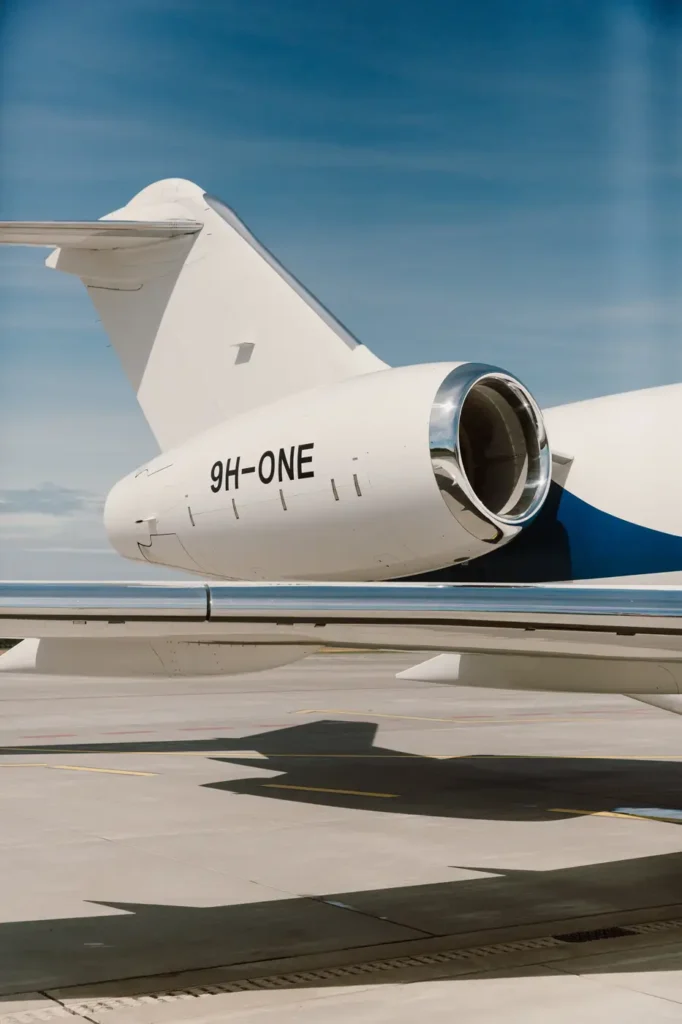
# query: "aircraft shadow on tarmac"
[[146, 940], [333, 763], [149, 940]]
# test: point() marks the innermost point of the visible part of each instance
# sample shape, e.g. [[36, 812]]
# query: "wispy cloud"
[[648, 313], [125, 143], [83, 552], [48, 499], [56, 532]]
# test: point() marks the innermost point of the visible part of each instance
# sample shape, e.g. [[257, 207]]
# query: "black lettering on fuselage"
[[285, 464], [231, 471], [304, 460], [266, 467], [290, 462], [216, 477]]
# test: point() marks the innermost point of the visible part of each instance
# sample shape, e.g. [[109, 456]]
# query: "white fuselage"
[[337, 484]]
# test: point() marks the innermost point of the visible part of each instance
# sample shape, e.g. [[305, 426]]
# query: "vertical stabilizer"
[[205, 321]]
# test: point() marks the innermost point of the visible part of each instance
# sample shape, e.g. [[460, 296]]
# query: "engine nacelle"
[[383, 475]]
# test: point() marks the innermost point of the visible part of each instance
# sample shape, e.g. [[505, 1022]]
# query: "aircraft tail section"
[[206, 323]]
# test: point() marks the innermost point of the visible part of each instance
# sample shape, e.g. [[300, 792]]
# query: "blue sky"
[[495, 181]]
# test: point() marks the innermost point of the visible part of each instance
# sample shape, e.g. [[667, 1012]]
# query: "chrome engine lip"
[[446, 456]]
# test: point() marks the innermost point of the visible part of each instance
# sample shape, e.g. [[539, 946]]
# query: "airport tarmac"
[[323, 842]]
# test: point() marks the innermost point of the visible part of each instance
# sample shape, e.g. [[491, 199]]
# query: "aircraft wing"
[[605, 622]]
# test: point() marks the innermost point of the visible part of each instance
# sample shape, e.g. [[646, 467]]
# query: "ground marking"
[[461, 720], [320, 789], [106, 771], [613, 814], [75, 768], [23, 764]]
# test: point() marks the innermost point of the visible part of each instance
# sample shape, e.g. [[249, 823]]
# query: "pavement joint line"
[[322, 789], [259, 755], [564, 757], [50, 736], [462, 719], [547, 948], [93, 751], [612, 814], [121, 732], [201, 981]]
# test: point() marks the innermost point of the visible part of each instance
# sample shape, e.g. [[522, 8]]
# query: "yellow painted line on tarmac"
[[105, 771], [23, 764], [75, 768], [612, 814], [320, 789]]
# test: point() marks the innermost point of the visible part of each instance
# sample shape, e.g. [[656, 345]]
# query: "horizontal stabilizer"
[[93, 234]]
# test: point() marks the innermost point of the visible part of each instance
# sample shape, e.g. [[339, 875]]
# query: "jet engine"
[[383, 475]]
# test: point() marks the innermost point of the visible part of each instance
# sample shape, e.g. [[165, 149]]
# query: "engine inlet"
[[489, 451]]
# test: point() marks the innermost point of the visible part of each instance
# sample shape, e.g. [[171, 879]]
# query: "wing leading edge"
[[619, 623]]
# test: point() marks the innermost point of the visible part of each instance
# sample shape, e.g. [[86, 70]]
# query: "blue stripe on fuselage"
[[570, 540]]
